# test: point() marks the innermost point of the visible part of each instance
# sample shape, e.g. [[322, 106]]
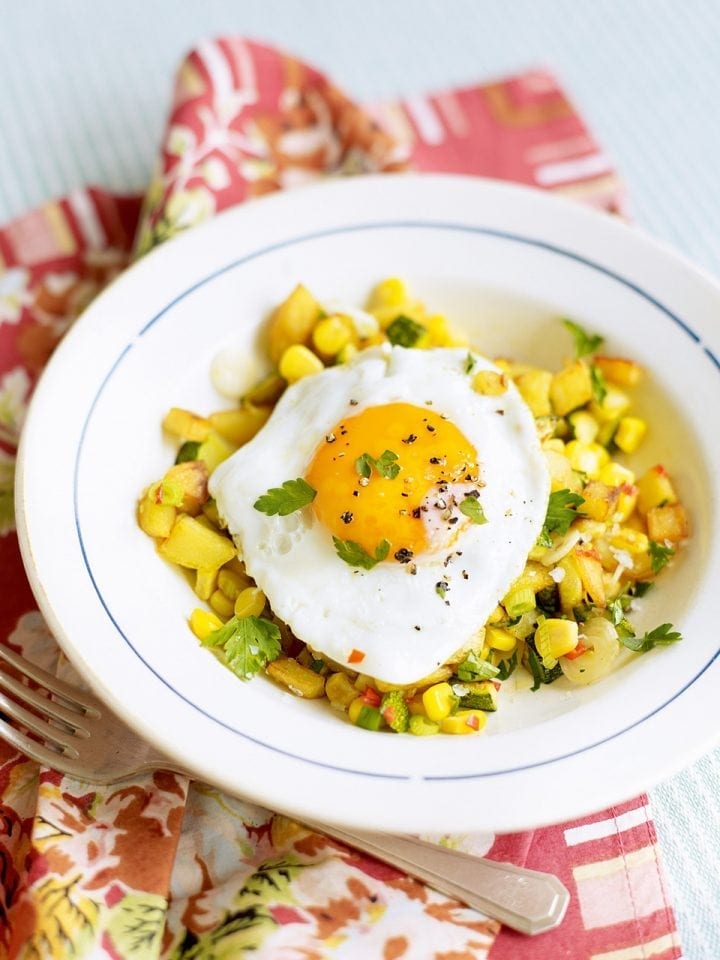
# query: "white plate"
[[503, 262]]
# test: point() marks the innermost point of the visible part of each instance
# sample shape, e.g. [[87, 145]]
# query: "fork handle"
[[526, 900]]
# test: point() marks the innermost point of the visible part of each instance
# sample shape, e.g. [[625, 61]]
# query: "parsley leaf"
[[561, 511], [188, 451], [641, 587], [385, 465], [660, 636], [617, 610], [660, 555], [599, 387], [507, 667], [471, 508], [353, 554], [291, 496], [249, 644], [404, 332], [470, 363], [474, 667], [585, 343]]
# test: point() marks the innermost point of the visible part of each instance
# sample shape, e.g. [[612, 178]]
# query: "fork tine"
[[62, 738], [42, 703], [31, 748], [78, 698]]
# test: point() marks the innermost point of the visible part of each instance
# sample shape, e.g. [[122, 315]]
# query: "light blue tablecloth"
[[84, 87]]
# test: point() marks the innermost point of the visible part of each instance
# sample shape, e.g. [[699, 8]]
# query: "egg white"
[[401, 624]]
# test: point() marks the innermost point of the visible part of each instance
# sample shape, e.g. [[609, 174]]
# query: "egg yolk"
[[365, 494]]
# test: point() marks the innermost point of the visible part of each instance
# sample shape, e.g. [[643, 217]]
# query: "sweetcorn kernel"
[[250, 602], [330, 335], [439, 701], [588, 458], [203, 623], [298, 362], [615, 475], [222, 604], [489, 383], [630, 433], [499, 639], [390, 292]]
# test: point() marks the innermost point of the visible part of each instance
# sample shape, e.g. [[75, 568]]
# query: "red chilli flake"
[[356, 656], [371, 697], [579, 650], [473, 722]]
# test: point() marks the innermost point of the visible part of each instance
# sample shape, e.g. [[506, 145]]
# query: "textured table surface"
[[84, 85]]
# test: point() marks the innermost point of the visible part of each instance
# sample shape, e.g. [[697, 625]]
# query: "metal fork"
[[70, 730]]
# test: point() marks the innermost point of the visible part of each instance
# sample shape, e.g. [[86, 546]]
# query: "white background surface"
[[84, 86]]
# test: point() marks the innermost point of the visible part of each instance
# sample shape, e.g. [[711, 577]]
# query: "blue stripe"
[[336, 231]]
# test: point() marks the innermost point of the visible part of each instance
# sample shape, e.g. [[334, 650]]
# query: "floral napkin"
[[162, 867]]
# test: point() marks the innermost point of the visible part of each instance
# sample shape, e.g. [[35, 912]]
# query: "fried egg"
[[428, 499]]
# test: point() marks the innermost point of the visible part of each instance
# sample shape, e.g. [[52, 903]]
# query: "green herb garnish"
[[585, 343], [660, 555], [441, 588], [506, 668], [617, 609], [291, 496], [404, 331], [471, 508], [660, 636], [249, 644], [599, 387], [470, 363], [354, 555], [385, 465], [540, 674], [640, 588], [561, 511], [474, 667], [188, 451]]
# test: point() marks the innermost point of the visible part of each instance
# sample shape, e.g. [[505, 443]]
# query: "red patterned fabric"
[[85, 868]]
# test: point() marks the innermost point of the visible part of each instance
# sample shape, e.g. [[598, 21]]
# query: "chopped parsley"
[[617, 609], [660, 636], [291, 496], [404, 331], [506, 668], [249, 644], [385, 465], [599, 387], [472, 509], [356, 556], [474, 667], [188, 451], [561, 511], [660, 555], [470, 363], [585, 343]]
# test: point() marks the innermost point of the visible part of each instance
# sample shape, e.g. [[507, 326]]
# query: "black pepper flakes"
[[330, 438], [430, 428], [412, 568], [411, 438], [403, 555], [453, 519], [417, 513], [465, 575], [473, 493], [346, 517], [417, 627], [356, 493], [353, 403]]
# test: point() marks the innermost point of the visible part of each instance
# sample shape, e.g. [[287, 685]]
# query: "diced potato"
[[192, 478], [193, 545], [630, 433], [627, 501], [587, 458], [241, 424], [570, 588], [214, 450], [210, 511], [615, 475], [591, 575], [600, 500], [206, 583], [621, 372], [614, 405], [186, 425], [562, 475], [571, 388], [668, 523], [655, 489], [299, 680], [632, 541], [292, 322], [232, 583], [267, 392], [155, 519], [534, 387], [489, 383], [339, 690]]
